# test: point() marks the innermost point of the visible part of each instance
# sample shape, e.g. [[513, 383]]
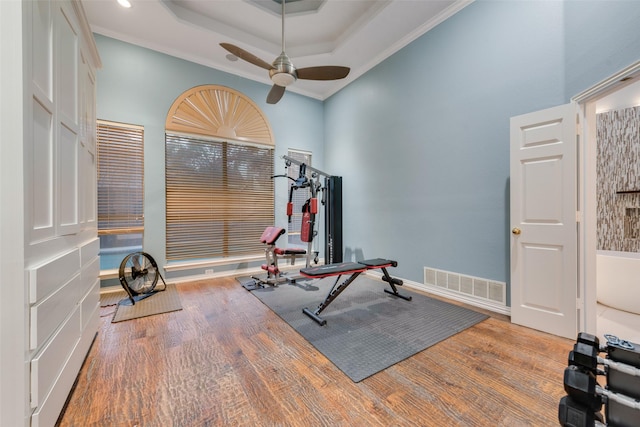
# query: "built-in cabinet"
[[60, 247]]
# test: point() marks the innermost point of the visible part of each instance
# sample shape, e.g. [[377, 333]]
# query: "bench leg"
[[393, 282], [333, 294], [314, 316]]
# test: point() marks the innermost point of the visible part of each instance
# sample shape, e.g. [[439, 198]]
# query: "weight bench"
[[354, 269], [269, 237]]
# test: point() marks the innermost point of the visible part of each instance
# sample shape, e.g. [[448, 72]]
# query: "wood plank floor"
[[227, 360]]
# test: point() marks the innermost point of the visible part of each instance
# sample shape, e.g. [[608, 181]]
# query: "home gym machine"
[[332, 203]]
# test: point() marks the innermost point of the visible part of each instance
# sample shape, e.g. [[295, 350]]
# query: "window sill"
[[177, 266], [109, 274], [189, 265]]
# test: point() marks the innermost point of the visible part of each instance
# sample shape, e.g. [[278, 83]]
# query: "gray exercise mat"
[[148, 305], [367, 329]]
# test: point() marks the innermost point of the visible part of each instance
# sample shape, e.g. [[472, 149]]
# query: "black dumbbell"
[[582, 386], [612, 342], [573, 414], [585, 356], [589, 339]]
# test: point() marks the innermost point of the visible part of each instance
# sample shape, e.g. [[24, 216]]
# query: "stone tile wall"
[[618, 170]]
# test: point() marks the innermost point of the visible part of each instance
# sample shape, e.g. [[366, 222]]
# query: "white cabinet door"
[[543, 220]]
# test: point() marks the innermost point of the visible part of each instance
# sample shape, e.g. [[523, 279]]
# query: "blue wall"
[[601, 38], [423, 139], [138, 86]]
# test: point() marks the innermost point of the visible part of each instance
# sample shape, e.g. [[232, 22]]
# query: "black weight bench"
[[354, 269]]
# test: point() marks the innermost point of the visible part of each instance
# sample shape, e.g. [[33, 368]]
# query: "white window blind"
[[220, 197], [120, 178]]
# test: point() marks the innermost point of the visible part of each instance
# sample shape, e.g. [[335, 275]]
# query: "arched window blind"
[[219, 166]]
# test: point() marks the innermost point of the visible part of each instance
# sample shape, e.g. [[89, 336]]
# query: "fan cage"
[[138, 274]]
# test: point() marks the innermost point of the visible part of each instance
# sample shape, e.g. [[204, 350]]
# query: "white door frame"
[[587, 318]]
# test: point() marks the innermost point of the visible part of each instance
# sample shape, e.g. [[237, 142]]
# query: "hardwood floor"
[[227, 360]]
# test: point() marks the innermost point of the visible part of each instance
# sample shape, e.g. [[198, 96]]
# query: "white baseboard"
[[453, 295], [432, 289]]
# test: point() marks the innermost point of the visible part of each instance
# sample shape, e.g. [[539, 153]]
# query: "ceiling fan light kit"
[[282, 79], [282, 71]]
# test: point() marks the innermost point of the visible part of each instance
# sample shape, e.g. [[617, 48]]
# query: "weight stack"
[[333, 220]]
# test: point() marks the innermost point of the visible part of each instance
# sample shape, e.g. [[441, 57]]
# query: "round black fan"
[[138, 275]]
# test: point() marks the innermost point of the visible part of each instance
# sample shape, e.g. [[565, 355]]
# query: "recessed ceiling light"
[[231, 57], [124, 3]]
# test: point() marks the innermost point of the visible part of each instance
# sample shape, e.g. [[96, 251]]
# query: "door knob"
[[516, 231]]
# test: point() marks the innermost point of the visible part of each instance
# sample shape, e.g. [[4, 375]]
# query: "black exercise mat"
[[367, 329]]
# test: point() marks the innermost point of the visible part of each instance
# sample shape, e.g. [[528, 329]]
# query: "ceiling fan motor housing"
[[283, 73]]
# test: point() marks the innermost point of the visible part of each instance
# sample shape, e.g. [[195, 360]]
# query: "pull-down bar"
[[299, 163]]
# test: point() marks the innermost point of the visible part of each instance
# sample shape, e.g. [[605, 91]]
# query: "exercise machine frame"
[[332, 203]]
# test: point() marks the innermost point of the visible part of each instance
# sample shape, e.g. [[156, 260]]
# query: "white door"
[[544, 234]]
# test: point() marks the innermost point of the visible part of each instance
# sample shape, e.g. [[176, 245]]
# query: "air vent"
[[472, 287]]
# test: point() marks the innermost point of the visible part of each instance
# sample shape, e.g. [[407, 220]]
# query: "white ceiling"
[[354, 33]]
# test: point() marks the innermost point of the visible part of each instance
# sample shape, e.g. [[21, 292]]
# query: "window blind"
[[120, 178], [220, 197]]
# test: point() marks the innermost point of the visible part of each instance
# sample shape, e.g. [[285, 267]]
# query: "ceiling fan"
[[282, 71]]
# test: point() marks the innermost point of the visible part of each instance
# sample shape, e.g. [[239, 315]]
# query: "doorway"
[[618, 92]]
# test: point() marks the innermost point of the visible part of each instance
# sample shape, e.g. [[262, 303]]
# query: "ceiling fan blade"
[[275, 94], [249, 57], [327, 72]]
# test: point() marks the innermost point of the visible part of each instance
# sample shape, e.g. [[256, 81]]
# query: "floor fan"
[[139, 275]]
